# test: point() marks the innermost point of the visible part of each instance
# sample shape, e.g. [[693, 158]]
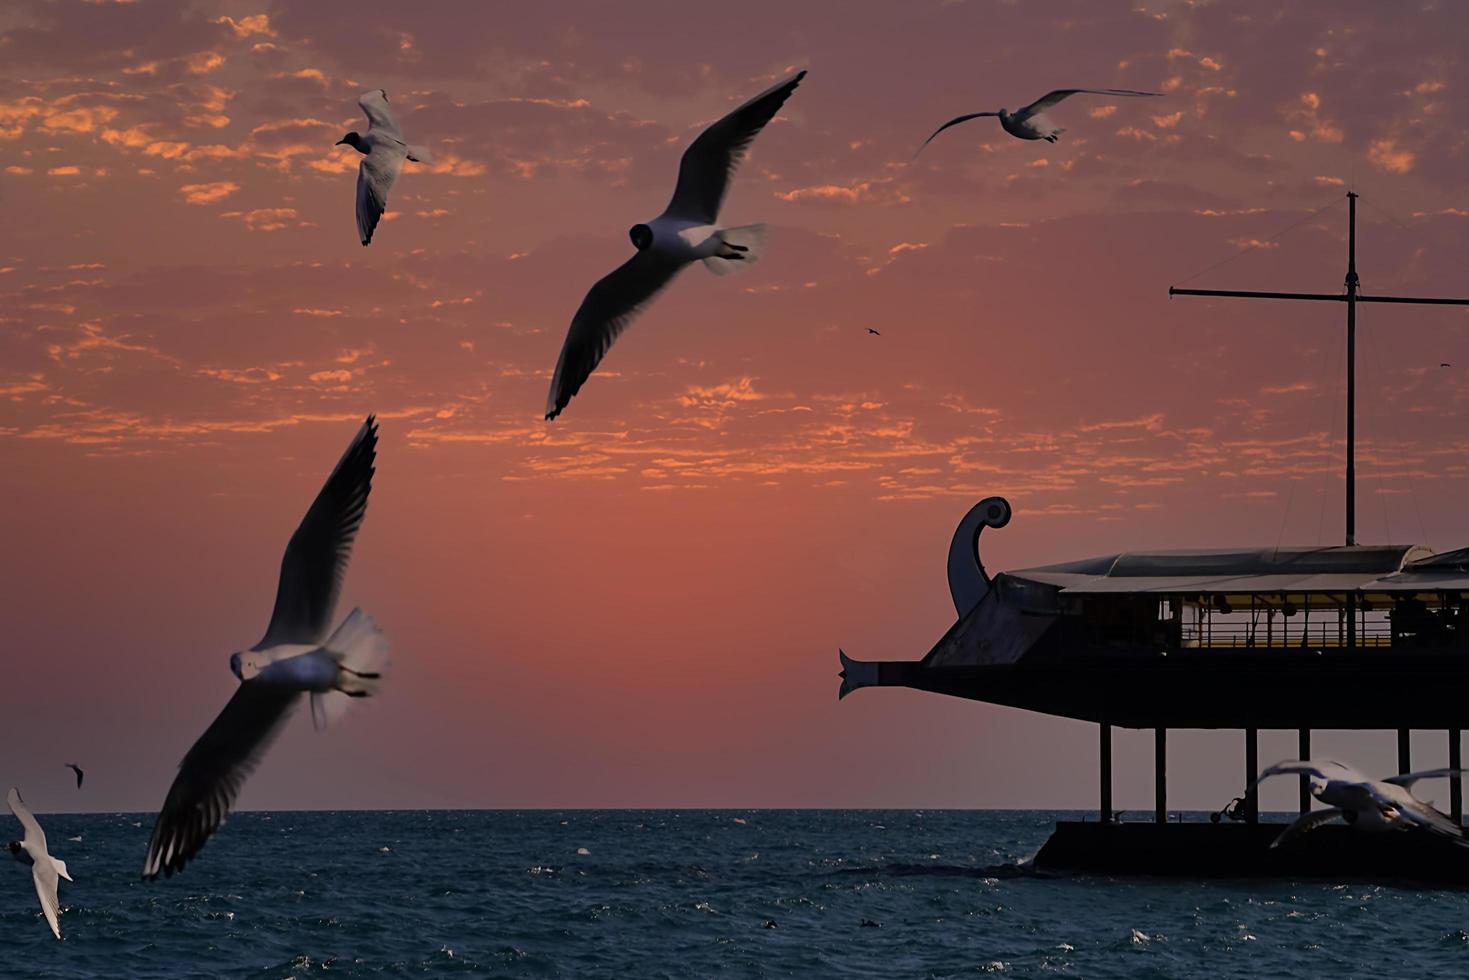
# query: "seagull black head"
[[247, 665], [642, 237], [354, 141], [13, 847]]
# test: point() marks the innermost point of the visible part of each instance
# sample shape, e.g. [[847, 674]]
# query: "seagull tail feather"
[[362, 651], [420, 154], [740, 247]]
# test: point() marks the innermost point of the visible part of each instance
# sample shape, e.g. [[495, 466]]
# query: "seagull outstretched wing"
[[34, 834], [1308, 822], [1051, 98], [43, 874], [711, 160], [379, 119], [1428, 818], [952, 122], [376, 175], [316, 559], [1394, 793], [609, 306], [212, 773], [1323, 769], [1407, 779]]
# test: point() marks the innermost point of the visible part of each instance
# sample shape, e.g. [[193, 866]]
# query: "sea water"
[[693, 893]]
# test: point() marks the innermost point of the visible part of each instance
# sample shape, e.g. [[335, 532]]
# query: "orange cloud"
[[83, 119], [879, 191], [208, 193], [1309, 121], [249, 26], [134, 137], [204, 62], [456, 166], [1385, 155], [166, 149], [264, 219]]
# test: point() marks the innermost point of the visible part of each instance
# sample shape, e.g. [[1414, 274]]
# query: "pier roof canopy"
[[1382, 569]]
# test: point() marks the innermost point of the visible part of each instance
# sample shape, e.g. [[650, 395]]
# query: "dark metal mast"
[[1351, 298], [1351, 284]]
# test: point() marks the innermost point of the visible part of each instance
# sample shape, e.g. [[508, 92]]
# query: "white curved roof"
[[1355, 568]]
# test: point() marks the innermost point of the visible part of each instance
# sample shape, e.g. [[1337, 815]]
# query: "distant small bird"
[[45, 869], [78, 770], [293, 658], [1029, 123], [1365, 804], [684, 233], [1444, 364], [873, 332], [870, 924], [384, 152], [771, 924]]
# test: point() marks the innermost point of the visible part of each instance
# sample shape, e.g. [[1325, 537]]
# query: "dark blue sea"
[[697, 893]]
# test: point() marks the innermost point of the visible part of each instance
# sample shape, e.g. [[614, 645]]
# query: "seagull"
[[1029, 123], [294, 657], [873, 332], [78, 770], [383, 152], [44, 867], [684, 233], [1365, 804], [1444, 364]]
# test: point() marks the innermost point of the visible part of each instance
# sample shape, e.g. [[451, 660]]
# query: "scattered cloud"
[[1385, 154], [266, 219], [208, 193]]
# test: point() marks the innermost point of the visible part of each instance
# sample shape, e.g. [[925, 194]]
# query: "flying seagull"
[[1444, 364], [383, 152], [873, 332], [1365, 804], [45, 869], [78, 770], [1030, 123], [684, 233], [294, 657]]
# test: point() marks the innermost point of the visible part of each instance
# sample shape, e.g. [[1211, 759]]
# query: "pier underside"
[[1242, 850], [1219, 689]]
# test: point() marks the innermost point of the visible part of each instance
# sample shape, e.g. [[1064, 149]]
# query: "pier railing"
[[1332, 633], [1313, 621], [1411, 624]]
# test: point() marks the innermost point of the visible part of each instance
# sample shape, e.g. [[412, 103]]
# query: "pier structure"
[[1353, 636]]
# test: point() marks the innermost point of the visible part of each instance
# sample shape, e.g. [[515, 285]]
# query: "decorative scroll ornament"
[[968, 582]]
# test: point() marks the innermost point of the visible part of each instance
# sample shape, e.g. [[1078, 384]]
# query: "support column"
[[1160, 775], [1303, 752], [1405, 757], [1252, 770], [1105, 746], [1456, 785]]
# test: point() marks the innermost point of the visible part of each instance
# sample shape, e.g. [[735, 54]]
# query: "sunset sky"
[[640, 604]]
